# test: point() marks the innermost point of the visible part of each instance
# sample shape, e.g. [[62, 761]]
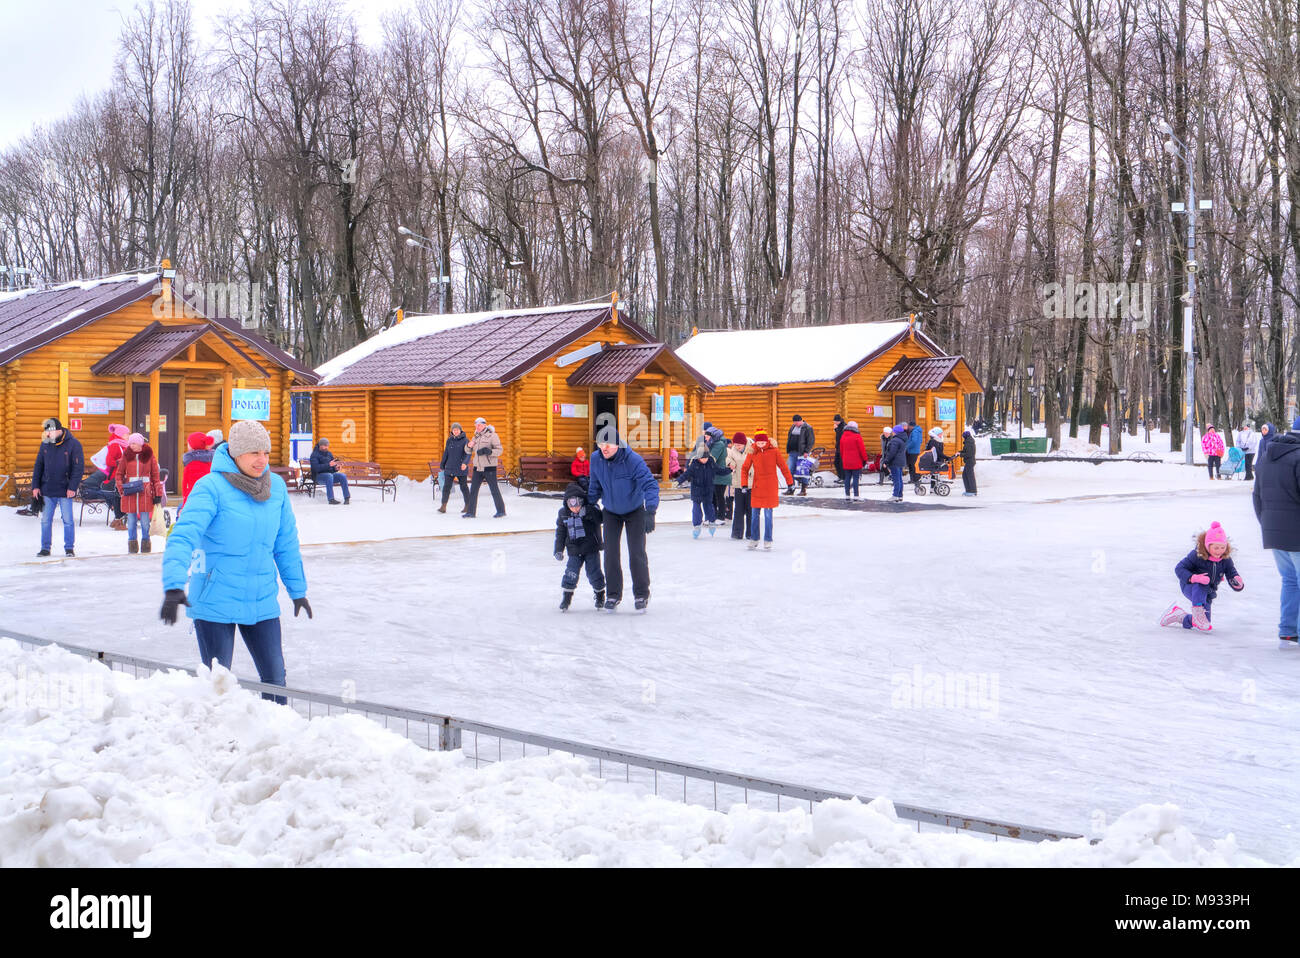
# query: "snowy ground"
[[1065, 705], [179, 771]]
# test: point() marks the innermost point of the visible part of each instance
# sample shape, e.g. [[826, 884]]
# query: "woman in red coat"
[[139, 484], [198, 463], [853, 453], [759, 472]]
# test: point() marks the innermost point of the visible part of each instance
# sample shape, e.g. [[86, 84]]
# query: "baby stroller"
[[1235, 466], [933, 476], [803, 468]]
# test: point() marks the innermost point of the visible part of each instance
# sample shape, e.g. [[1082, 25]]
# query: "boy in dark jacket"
[[700, 473], [1199, 574], [577, 529]]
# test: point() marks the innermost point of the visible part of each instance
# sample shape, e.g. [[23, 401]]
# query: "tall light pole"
[[1176, 148], [423, 242]]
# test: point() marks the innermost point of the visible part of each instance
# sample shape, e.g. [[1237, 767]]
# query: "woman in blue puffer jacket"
[[236, 533]]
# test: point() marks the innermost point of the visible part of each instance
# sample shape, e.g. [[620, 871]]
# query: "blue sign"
[[676, 408], [945, 410], [250, 404], [657, 408]]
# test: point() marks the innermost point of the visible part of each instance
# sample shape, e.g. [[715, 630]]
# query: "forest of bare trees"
[[995, 167]]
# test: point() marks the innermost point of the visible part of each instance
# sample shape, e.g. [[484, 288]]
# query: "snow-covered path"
[[1065, 704]]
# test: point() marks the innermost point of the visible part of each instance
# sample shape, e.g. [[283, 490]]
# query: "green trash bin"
[[1000, 447], [1037, 445]]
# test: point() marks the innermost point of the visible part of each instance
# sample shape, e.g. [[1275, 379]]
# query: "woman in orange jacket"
[[759, 472]]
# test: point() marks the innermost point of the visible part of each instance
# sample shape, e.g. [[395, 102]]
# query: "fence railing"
[[699, 784]]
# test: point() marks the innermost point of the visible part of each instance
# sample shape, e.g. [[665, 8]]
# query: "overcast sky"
[[54, 51]]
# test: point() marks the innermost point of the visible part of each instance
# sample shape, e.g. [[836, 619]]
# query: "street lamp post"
[[1020, 402], [1176, 148], [423, 242]]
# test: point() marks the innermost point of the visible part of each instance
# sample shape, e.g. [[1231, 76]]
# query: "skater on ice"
[[758, 473], [1276, 499], [631, 495], [453, 466], [238, 530], [851, 458], [798, 444], [1199, 574], [577, 531], [700, 474]]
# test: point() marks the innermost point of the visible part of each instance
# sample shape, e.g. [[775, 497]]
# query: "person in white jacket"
[[1247, 440]]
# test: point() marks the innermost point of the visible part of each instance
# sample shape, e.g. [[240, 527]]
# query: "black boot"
[[600, 599], [566, 600]]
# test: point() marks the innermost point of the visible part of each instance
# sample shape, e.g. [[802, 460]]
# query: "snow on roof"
[[418, 325], [751, 357], [79, 284]]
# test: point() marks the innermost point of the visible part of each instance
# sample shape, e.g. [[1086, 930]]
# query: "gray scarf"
[[259, 488]]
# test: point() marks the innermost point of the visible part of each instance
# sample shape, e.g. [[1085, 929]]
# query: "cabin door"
[[904, 409], [605, 409], [164, 442]]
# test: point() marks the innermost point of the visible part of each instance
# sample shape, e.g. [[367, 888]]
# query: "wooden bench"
[[537, 471], [22, 486], [369, 474], [290, 476], [306, 482]]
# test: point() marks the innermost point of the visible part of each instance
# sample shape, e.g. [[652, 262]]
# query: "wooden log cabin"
[[876, 374], [124, 349], [542, 377]]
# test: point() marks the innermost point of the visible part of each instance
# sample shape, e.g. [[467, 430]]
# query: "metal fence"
[[484, 743]]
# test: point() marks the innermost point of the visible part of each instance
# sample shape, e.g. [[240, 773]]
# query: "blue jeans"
[[217, 641], [1197, 595], [137, 518], [1288, 566], [575, 565], [63, 505], [767, 524], [852, 478], [705, 506], [897, 475], [329, 478]]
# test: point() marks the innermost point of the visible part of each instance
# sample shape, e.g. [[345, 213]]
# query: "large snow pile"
[[800, 354], [101, 769]]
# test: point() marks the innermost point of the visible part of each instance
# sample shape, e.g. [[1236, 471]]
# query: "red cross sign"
[[76, 404]]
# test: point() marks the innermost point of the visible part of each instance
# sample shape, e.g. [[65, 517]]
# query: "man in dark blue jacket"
[[455, 466], [631, 494], [60, 464], [1277, 506]]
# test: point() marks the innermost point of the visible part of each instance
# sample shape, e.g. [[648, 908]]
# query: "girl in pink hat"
[[1199, 575]]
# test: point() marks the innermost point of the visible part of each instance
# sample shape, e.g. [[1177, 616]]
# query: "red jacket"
[[139, 465], [764, 463], [580, 467], [853, 451]]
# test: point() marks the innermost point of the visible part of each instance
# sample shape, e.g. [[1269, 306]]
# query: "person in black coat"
[[577, 530], [60, 464], [1276, 498], [455, 466], [968, 461], [324, 470], [896, 459]]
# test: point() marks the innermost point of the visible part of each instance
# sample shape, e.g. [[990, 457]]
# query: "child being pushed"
[[577, 530], [1199, 574]]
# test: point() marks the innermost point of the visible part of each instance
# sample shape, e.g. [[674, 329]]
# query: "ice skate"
[[566, 600], [1173, 615], [1199, 619], [1288, 642]]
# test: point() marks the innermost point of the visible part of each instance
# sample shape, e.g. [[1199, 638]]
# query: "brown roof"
[[618, 363], [925, 372], [497, 349], [154, 345], [233, 328], [32, 319]]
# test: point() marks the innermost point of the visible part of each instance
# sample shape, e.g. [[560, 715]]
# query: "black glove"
[[559, 556], [172, 599], [650, 521], [300, 605]]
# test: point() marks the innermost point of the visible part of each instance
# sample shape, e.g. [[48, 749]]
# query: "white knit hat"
[[246, 436], [216, 435], [936, 432]]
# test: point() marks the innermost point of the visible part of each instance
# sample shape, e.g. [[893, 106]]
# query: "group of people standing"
[[900, 448], [470, 461], [126, 478], [1250, 443]]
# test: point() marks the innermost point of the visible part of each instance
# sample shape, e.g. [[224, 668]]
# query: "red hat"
[[738, 439], [761, 436], [199, 440]]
